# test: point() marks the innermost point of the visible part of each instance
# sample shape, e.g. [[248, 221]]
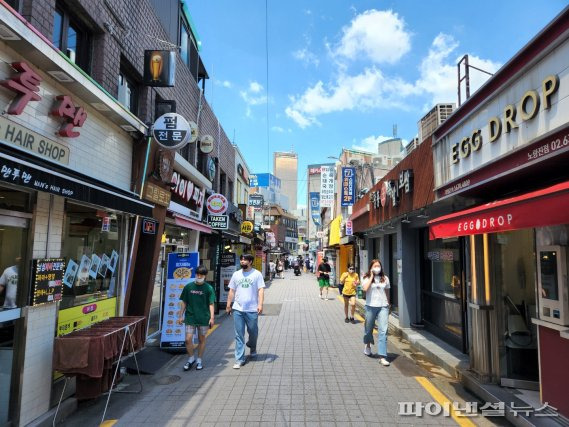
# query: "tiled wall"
[[40, 320]]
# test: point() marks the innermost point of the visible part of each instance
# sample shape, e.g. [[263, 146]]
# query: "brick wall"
[[121, 31]]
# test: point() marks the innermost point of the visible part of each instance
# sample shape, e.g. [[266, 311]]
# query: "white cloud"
[[370, 143], [370, 89], [306, 56], [380, 36], [224, 83], [439, 75], [255, 87], [277, 129]]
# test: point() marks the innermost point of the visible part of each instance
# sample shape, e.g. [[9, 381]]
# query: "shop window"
[[229, 189], [222, 183], [92, 250], [184, 42], [70, 37], [128, 92], [445, 267]]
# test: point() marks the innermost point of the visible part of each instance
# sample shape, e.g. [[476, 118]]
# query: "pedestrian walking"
[[196, 313], [375, 283], [272, 269], [246, 292], [323, 276], [349, 280], [280, 269]]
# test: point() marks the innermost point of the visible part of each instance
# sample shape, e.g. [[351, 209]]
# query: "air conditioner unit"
[[377, 162], [124, 93]]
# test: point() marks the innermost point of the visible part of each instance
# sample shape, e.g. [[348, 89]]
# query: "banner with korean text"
[[348, 186]]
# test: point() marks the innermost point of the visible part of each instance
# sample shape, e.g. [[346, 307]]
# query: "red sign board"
[[75, 116], [26, 84]]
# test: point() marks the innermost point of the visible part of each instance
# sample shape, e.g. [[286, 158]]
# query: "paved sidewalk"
[[310, 371]]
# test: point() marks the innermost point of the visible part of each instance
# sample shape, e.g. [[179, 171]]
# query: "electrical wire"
[[267, 89]]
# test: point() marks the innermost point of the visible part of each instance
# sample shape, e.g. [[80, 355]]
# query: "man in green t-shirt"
[[197, 298]]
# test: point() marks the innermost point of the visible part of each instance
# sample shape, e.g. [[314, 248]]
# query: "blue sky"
[[342, 74]]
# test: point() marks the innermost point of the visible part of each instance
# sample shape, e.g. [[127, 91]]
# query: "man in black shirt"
[[324, 277]]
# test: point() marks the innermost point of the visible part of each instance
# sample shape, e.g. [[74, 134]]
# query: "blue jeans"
[[382, 314], [240, 320]]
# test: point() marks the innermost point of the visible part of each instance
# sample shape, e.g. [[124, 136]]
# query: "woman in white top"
[[376, 284]]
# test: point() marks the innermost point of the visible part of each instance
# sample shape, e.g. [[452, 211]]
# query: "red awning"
[[549, 206], [187, 222]]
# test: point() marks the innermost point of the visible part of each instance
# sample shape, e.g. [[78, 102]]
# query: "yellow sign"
[[157, 195], [335, 231], [25, 139], [74, 318], [247, 227]]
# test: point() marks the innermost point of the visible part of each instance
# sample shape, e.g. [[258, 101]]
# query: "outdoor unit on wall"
[[434, 119], [378, 162], [552, 284]]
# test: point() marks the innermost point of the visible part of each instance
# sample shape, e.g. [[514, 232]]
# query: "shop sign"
[[187, 192], [165, 165], [47, 279], [253, 181], [26, 84], [106, 225], [156, 194], [180, 271], [20, 137], [217, 204], [349, 228], [314, 171], [241, 172], [211, 169], [530, 107], [228, 267], [82, 316], [348, 186], [315, 207], [327, 186], [206, 144], [159, 68], [256, 200], [74, 116], [406, 181], [250, 213], [246, 227], [148, 226], [218, 222], [172, 131]]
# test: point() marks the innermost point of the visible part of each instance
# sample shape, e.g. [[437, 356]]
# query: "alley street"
[[310, 371]]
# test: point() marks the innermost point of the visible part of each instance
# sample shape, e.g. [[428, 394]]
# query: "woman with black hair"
[[375, 283]]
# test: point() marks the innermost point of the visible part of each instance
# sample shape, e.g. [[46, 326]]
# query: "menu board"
[[47, 277], [181, 270]]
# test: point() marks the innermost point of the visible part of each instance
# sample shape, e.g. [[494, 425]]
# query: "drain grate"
[[168, 379], [272, 309]]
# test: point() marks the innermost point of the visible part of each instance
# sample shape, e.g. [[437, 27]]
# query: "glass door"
[[13, 293]]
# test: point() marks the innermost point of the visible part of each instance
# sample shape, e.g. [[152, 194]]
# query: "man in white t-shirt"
[[246, 291], [9, 283]]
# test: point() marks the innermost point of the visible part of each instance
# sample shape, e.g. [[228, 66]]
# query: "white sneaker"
[[237, 365], [383, 361], [367, 350]]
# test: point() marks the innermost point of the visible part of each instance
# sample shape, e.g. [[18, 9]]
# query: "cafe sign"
[[217, 204]]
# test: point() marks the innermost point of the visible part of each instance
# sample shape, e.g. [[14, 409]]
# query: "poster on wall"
[[95, 263], [104, 265], [113, 261], [181, 270], [70, 273], [83, 275], [228, 267]]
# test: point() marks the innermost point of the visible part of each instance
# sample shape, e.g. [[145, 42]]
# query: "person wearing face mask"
[[349, 280], [198, 299], [245, 300], [376, 284]]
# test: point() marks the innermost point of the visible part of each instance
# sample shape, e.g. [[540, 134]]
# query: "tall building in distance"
[[285, 167]]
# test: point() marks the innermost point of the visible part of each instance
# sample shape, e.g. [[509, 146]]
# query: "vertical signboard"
[[315, 208], [348, 186], [181, 270], [327, 186], [228, 267]]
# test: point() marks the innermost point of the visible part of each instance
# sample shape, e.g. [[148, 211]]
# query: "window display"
[[91, 250]]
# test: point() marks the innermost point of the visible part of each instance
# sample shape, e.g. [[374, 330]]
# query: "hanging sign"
[[206, 144], [218, 222], [349, 228], [106, 225], [327, 187], [47, 279], [256, 200], [217, 204], [246, 227], [172, 131], [159, 68], [315, 207], [348, 186], [180, 271], [148, 226], [211, 169]]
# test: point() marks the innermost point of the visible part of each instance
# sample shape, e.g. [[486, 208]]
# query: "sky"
[[328, 74]]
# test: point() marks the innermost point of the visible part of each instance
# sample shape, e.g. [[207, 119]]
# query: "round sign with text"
[[206, 144], [217, 204], [172, 131]]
